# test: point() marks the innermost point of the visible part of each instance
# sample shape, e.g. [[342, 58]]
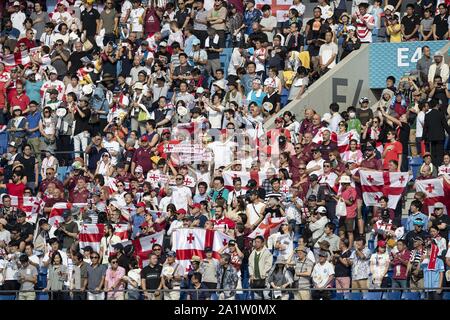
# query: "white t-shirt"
[[327, 50], [112, 146], [314, 163], [236, 60], [125, 7], [254, 212], [223, 152], [321, 273], [215, 117], [17, 19], [180, 196], [136, 19], [379, 261], [270, 22], [420, 121], [5, 235], [106, 244]]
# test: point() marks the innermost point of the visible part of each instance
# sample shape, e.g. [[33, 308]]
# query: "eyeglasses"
[[113, 262], [157, 249], [326, 166], [95, 257], [179, 179]]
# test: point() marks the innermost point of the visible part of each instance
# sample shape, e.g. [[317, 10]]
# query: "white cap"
[[344, 179], [87, 89]]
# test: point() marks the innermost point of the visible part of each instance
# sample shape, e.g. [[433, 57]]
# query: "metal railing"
[[238, 293]]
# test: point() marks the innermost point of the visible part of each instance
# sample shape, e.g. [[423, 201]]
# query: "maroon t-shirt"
[[400, 271], [151, 22], [142, 158]]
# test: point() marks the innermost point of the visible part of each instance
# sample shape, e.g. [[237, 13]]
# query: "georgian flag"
[[267, 227], [187, 242], [318, 137], [343, 140], [92, 234], [436, 190], [13, 59], [228, 177], [32, 206], [158, 214], [55, 217], [143, 246], [376, 184]]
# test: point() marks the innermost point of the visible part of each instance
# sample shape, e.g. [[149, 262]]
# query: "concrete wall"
[[345, 84]]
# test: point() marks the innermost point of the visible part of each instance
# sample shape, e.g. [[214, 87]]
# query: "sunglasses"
[[157, 249], [326, 166], [179, 179], [297, 148], [95, 257], [114, 262], [302, 168]]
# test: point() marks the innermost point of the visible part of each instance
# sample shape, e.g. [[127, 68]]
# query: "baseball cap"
[[144, 139], [251, 183], [381, 243], [66, 214], [196, 259], [196, 205], [181, 211], [232, 243], [323, 253], [144, 224], [279, 119], [363, 99], [172, 254], [89, 248], [321, 209], [118, 246], [196, 42], [312, 198], [139, 169], [163, 44], [313, 177], [165, 131], [141, 204], [439, 205], [418, 222], [208, 249]]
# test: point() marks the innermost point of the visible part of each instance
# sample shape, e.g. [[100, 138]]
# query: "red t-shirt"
[[15, 189], [21, 101], [393, 154], [347, 194]]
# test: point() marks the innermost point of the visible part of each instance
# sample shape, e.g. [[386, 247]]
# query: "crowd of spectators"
[[95, 93]]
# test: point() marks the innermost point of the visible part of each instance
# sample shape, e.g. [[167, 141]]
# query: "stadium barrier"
[[268, 293]]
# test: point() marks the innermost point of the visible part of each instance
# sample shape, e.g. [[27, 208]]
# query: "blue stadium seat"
[[410, 296], [352, 296], [42, 296], [8, 297], [391, 295], [372, 296], [446, 295], [338, 296]]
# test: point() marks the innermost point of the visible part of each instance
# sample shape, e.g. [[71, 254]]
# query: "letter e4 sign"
[[403, 59]]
